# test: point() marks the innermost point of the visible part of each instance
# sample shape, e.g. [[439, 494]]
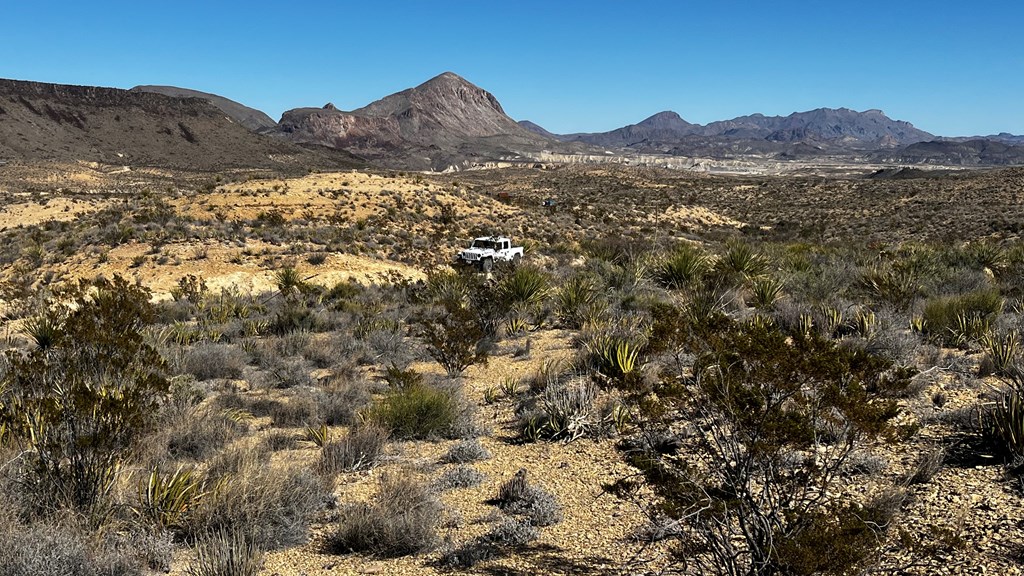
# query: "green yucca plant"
[[765, 291], [621, 417], [448, 287], [684, 268], [1004, 422], [831, 320], [763, 322], [897, 286], [806, 324], [226, 554], [164, 499], [525, 286], [616, 357], [490, 395], [576, 295], [741, 259], [1002, 350], [968, 328], [510, 386], [288, 281], [43, 330], [866, 323], [516, 323], [318, 435]]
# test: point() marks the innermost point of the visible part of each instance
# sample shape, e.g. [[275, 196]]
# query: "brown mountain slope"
[[251, 118], [70, 123], [442, 122]]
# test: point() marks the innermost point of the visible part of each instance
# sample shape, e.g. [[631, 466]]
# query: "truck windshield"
[[485, 244]]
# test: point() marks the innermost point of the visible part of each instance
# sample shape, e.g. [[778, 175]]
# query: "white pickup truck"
[[487, 250]]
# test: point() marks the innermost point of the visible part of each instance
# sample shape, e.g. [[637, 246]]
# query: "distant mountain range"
[[444, 123], [871, 129]]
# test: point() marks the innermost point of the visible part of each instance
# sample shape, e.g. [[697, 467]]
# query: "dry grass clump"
[[271, 507], [360, 449], [401, 519]]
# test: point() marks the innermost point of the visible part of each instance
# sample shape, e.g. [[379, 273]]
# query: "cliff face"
[[69, 123]]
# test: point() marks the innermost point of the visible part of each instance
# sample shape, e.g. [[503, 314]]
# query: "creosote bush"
[[761, 400], [420, 411], [85, 392]]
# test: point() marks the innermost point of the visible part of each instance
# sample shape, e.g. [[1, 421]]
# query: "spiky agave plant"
[[684, 268], [742, 259], [765, 291], [165, 498]]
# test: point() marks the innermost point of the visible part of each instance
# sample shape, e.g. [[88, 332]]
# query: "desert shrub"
[[235, 461], [295, 315], [277, 440], [762, 399], [197, 434], [340, 400], [271, 508], [927, 467], [208, 361], [420, 411], [686, 267], [453, 336], [285, 373], [300, 409], [459, 477], [518, 497], [897, 286], [91, 388], [44, 550], [465, 451], [360, 449], [511, 533], [957, 320], [401, 519], [562, 411], [225, 554]]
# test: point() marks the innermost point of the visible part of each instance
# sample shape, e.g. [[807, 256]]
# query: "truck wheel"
[[515, 259], [486, 264]]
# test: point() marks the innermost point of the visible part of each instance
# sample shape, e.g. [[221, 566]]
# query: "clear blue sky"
[[950, 67]]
